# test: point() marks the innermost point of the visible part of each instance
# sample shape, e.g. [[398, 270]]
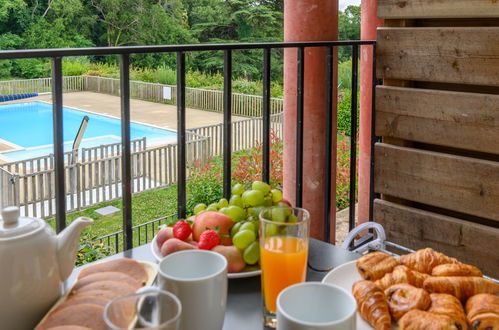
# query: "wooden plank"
[[469, 242], [397, 9], [454, 119], [461, 55], [457, 183]]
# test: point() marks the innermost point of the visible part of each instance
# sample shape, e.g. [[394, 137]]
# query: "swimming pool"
[[28, 127]]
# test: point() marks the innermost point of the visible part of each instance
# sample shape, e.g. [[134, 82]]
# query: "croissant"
[[402, 274], [457, 269], [405, 297], [483, 312], [372, 306], [445, 304], [425, 260], [462, 287], [375, 265], [421, 320]]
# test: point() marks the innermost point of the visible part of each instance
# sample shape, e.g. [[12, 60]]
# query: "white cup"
[[199, 279], [316, 306]]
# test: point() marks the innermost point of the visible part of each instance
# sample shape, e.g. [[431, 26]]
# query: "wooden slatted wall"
[[437, 167]]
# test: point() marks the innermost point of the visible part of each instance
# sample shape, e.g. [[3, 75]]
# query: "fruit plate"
[[248, 273], [345, 276]]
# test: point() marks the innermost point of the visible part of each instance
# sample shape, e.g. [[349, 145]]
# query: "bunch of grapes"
[[243, 208]]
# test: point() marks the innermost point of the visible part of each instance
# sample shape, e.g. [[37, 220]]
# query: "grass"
[[146, 206]]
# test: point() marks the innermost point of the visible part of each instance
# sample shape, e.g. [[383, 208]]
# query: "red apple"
[[212, 220]]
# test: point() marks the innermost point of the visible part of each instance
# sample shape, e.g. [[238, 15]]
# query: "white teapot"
[[34, 262]]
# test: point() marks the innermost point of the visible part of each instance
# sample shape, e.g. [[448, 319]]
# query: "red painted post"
[[369, 23], [308, 20]]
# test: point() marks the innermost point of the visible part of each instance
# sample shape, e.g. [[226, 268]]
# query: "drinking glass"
[[284, 235], [149, 309]]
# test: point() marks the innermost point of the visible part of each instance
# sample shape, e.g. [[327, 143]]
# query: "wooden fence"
[[437, 112], [41, 85], [204, 99], [94, 175]]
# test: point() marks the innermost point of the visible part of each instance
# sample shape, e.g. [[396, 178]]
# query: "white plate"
[[157, 255], [345, 276]]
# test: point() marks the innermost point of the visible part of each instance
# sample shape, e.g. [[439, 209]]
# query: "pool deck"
[[157, 114]]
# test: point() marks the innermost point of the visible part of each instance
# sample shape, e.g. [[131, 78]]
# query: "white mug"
[[199, 279], [316, 306]]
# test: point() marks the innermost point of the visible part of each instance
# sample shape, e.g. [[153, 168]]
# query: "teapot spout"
[[67, 242]]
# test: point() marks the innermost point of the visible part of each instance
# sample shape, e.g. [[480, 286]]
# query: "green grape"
[[252, 253], [199, 207], [236, 213], [222, 203], [248, 226], [235, 229], [256, 223], [271, 229], [262, 186], [211, 208], [243, 238], [224, 210], [236, 200], [282, 204], [276, 195], [279, 214], [253, 198], [292, 218], [255, 211], [267, 201], [266, 214], [215, 205], [237, 189]]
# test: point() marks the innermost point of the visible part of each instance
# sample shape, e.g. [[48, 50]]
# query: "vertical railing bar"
[[266, 115], [181, 152], [126, 185], [329, 144], [227, 125], [299, 126], [373, 138], [353, 137], [57, 117]]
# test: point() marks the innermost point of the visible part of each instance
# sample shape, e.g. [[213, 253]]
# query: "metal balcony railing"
[[56, 56]]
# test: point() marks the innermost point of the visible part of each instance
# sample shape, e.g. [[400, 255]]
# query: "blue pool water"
[[29, 126]]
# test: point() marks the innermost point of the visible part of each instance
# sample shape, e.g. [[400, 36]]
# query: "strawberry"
[[208, 240], [182, 230]]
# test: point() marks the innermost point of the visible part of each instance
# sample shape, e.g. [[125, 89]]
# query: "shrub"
[[74, 68], [205, 184], [248, 166], [91, 250], [32, 68], [344, 112]]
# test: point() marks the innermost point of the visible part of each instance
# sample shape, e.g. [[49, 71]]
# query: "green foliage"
[[344, 112], [31, 68], [348, 29], [204, 184], [74, 68], [90, 250]]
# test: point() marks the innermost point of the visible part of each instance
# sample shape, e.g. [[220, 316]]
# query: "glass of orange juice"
[[284, 235]]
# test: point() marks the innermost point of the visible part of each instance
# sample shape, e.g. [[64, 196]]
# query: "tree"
[[348, 29]]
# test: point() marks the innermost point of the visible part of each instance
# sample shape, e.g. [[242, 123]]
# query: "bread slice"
[[85, 315], [123, 265], [107, 276], [120, 288]]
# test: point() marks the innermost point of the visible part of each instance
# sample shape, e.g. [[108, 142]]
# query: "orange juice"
[[284, 262]]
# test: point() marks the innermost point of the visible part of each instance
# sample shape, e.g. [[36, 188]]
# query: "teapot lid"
[[12, 225]]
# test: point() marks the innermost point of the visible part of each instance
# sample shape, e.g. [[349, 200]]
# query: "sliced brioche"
[[85, 315], [107, 276], [119, 288], [123, 265]]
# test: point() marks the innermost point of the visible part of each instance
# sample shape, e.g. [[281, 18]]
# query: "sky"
[[346, 3]]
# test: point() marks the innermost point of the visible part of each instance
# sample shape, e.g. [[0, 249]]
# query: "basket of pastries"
[[82, 307], [424, 290]]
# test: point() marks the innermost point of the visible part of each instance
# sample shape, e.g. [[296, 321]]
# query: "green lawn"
[[146, 206]]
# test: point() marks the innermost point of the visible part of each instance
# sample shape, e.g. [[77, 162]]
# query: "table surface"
[[244, 302]]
